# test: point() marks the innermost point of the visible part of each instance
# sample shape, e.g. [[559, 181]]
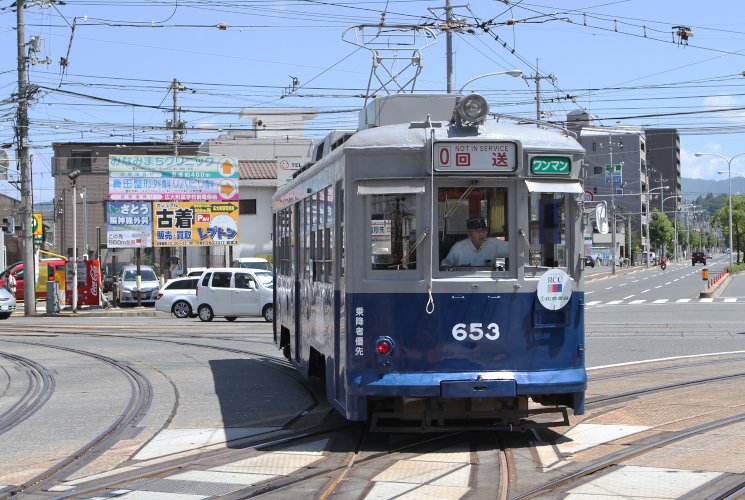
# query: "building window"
[[594, 147], [597, 170], [80, 160], [247, 207]]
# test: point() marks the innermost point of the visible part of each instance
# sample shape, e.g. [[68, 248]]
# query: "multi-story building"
[[91, 159], [663, 159]]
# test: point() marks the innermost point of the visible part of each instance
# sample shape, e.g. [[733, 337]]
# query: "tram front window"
[[473, 228], [548, 231], [393, 231]]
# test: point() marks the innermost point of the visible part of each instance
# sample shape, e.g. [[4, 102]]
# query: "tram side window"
[[284, 240], [548, 235], [393, 231], [473, 228]]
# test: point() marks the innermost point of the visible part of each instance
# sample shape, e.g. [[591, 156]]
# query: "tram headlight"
[[471, 110]]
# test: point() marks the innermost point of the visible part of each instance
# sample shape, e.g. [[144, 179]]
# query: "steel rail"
[[620, 457], [41, 385], [140, 398]]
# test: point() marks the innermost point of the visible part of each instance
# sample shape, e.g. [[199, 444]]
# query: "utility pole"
[[450, 25], [177, 126], [537, 78], [22, 156], [449, 45], [612, 203], [175, 122]]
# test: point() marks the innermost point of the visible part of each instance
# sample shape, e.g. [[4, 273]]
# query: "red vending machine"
[[89, 283]]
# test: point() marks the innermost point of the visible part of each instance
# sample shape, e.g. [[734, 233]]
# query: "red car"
[[49, 270]]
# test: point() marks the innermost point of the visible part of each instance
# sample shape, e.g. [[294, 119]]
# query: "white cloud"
[[726, 102]]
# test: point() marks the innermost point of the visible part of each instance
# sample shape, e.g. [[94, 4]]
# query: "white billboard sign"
[[173, 178]]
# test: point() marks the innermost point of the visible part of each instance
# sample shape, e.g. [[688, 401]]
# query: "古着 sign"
[[173, 178], [195, 223], [129, 224]]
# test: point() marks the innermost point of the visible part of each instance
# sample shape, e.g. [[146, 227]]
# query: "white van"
[[253, 263], [234, 292]]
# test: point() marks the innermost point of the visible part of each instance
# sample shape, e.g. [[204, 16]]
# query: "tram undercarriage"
[[434, 414]]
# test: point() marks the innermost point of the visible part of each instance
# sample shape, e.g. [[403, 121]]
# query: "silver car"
[[127, 286], [7, 303], [178, 296]]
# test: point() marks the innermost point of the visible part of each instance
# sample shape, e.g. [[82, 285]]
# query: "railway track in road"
[[39, 388], [661, 427], [140, 398]]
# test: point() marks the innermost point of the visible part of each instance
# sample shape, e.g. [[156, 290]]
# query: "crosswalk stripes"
[[704, 300]]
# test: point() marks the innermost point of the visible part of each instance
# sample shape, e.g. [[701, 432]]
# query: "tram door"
[[340, 328]]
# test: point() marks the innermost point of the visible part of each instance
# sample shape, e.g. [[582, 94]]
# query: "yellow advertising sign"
[[36, 224], [195, 223]]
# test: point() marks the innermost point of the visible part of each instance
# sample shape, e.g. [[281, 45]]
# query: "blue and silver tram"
[[428, 267]]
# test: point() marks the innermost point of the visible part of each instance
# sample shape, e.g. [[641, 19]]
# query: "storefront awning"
[[391, 186]]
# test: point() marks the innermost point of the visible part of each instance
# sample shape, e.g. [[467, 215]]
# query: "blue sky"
[[620, 60]]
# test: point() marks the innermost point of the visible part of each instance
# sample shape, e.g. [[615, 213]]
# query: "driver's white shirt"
[[464, 253]]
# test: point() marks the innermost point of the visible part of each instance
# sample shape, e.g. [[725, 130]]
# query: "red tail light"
[[159, 296], [384, 345]]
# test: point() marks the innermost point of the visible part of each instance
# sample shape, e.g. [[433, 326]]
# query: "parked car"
[[698, 257], [49, 270], [253, 263], [127, 285], [7, 303], [178, 296], [108, 275], [196, 271], [235, 292]]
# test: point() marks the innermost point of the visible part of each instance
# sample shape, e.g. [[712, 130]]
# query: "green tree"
[[661, 231], [738, 223]]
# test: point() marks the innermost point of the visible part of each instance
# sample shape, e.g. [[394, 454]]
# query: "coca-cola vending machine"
[[89, 283]]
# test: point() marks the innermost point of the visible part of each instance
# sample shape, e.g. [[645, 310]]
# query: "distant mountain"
[[693, 188]]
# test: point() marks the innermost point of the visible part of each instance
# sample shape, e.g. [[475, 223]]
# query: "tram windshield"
[[548, 229], [473, 228]]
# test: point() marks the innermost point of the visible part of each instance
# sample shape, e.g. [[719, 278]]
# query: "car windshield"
[[145, 275], [266, 278]]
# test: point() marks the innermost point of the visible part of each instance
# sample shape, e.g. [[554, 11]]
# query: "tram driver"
[[477, 250]]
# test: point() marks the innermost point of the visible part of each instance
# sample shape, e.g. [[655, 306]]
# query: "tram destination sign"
[[475, 156]]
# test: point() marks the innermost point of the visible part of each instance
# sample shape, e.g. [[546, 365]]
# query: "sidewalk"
[[93, 311]]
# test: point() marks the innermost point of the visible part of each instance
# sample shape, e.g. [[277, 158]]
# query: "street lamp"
[[514, 72], [675, 211], [729, 177], [73, 178], [649, 217]]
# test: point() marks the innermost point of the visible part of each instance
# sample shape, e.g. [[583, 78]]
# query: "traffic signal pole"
[[24, 165]]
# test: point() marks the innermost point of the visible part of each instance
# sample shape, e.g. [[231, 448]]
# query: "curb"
[[717, 288]]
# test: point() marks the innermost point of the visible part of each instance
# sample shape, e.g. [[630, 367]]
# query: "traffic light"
[[9, 225]]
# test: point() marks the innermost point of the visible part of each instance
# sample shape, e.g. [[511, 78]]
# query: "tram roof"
[[405, 135]]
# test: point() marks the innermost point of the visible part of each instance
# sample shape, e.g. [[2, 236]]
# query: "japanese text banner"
[[195, 223], [202, 178]]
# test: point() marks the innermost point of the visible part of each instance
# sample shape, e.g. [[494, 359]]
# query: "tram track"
[[140, 398], [40, 387], [617, 459]]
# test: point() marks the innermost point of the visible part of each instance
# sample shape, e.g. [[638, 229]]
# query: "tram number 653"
[[475, 331]]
